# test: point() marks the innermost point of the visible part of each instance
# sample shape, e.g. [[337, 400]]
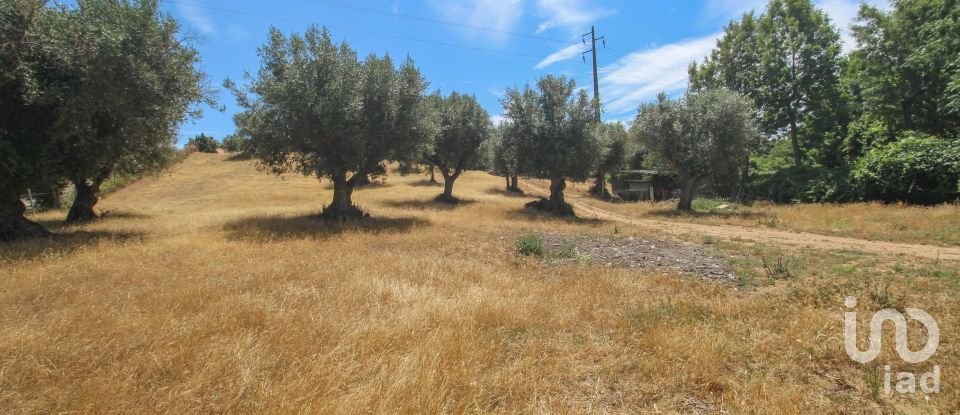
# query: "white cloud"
[[497, 119], [640, 76], [499, 15], [569, 14], [197, 19], [561, 55]]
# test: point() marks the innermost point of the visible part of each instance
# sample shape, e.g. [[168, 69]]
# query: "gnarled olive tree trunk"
[[599, 188], [87, 196], [13, 225], [686, 195], [557, 203], [342, 206], [448, 181], [513, 184]]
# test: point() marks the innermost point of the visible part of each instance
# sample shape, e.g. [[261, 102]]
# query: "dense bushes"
[[916, 168], [804, 184], [912, 168], [204, 143], [235, 143]]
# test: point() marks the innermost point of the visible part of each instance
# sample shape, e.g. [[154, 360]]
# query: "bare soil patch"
[[641, 254]]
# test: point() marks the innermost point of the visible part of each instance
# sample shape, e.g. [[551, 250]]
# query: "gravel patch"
[[641, 254]]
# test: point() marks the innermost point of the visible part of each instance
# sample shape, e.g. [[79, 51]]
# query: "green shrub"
[[804, 184], [530, 244], [235, 143], [917, 168], [204, 143]]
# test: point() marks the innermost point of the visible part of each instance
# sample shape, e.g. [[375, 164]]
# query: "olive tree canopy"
[[315, 108], [705, 134], [463, 127], [552, 125]]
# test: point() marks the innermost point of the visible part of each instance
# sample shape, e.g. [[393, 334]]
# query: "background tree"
[[33, 71], [552, 125], [787, 61], [314, 108], [463, 127], [137, 82], [801, 66], [613, 153], [906, 70], [735, 63], [702, 135], [235, 143], [506, 160], [204, 143]]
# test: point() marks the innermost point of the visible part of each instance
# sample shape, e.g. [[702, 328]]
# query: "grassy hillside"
[[212, 289]]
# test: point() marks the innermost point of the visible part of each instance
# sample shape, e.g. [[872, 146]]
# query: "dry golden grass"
[[212, 290], [936, 225]]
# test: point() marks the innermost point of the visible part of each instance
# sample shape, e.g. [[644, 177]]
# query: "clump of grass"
[[779, 268], [771, 221], [885, 297], [530, 244], [873, 378]]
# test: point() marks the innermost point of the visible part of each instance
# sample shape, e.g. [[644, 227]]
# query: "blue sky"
[[480, 47]]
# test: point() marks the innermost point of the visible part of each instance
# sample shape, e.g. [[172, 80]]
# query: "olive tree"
[[552, 124], [506, 161], [705, 134], [463, 126], [136, 83], [33, 69], [314, 108], [613, 150]]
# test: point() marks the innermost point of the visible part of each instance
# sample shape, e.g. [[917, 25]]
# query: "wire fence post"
[[33, 203]]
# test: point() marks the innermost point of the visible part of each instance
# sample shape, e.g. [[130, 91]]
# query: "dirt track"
[[802, 239]]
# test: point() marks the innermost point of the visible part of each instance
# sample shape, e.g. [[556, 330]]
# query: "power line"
[[430, 20], [349, 29]]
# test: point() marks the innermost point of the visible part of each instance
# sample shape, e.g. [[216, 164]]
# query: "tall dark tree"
[[801, 67], [552, 124], [787, 61], [463, 127], [33, 71], [735, 63], [137, 83], [703, 135], [906, 69], [315, 109]]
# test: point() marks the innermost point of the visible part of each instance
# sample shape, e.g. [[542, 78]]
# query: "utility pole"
[[593, 50]]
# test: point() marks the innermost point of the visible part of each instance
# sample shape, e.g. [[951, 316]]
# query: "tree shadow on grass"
[[240, 157], [429, 204], [531, 214], [499, 191], [119, 214], [313, 226], [60, 243], [425, 183]]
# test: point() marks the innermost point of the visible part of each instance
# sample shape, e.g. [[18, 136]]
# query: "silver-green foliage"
[[316, 109], [704, 134]]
